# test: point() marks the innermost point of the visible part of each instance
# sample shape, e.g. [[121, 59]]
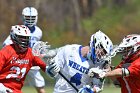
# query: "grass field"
[[109, 89]]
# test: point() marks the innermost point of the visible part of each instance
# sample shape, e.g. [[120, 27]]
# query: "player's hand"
[[4, 89], [86, 89], [53, 68], [96, 72]]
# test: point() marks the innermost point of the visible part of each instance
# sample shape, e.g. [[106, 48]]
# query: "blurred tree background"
[[74, 21]]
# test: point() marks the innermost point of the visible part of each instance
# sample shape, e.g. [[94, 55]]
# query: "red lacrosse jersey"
[[14, 67], [131, 83]]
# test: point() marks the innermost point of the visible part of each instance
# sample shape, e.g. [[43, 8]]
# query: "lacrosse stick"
[[41, 49], [115, 50], [68, 81]]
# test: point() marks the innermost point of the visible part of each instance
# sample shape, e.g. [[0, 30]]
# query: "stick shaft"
[[68, 81]]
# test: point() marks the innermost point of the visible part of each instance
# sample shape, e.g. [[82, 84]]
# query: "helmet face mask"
[[30, 20], [23, 41], [126, 51], [30, 16], [20, 36], [100, 52]]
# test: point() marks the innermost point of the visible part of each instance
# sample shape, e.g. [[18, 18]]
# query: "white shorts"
[[35, 78]]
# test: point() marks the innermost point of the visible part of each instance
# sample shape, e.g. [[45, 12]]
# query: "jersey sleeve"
[[60, 57], [39, 35], [134, 68], [7, 41], [2, 59], [38, 62], [35, 36]]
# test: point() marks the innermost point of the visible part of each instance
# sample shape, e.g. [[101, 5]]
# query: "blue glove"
[[86, 89]]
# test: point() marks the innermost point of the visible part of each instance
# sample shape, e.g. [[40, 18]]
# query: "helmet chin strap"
[[89, 55]]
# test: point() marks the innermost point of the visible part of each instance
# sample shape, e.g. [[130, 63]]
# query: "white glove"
[[53, 68], [96, 71], [4, 89], [86, 89], [97, 89]]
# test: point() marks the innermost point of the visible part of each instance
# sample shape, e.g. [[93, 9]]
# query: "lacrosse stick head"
[[40, 48], [114, 51]]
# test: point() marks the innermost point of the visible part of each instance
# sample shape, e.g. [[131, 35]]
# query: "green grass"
[[29, 89], [111, 89], [107, 89]]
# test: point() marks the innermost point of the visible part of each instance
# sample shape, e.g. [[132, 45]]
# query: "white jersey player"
[[76, 60], [30, 16]]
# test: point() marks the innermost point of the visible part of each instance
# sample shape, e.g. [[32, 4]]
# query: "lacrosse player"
[[30, 17], [76, 60], [127, 73], [16, 60]]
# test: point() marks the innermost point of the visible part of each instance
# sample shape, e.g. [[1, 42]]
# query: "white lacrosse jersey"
[[74, 67], [36, 35]]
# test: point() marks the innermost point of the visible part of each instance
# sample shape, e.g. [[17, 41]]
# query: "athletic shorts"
[[35, 78]]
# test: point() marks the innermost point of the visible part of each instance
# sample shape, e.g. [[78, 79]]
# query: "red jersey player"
[[127, 73], [16, 60]]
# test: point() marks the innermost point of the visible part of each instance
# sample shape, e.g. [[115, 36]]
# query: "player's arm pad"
[[125, 72]]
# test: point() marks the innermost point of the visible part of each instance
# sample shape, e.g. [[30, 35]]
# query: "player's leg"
[[40, 89], [36, 79]]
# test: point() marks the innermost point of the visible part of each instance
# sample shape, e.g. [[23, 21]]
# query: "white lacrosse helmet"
[[100, 46], [30, 16], [20, 35], [130, 44]]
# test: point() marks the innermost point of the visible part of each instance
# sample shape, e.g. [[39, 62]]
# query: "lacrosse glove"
[[53, 68], [96, 72]]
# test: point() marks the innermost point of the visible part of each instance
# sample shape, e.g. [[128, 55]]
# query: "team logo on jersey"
[[19, 61], [78, 67]]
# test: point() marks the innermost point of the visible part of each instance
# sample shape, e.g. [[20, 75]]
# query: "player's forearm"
[[114, 73]]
